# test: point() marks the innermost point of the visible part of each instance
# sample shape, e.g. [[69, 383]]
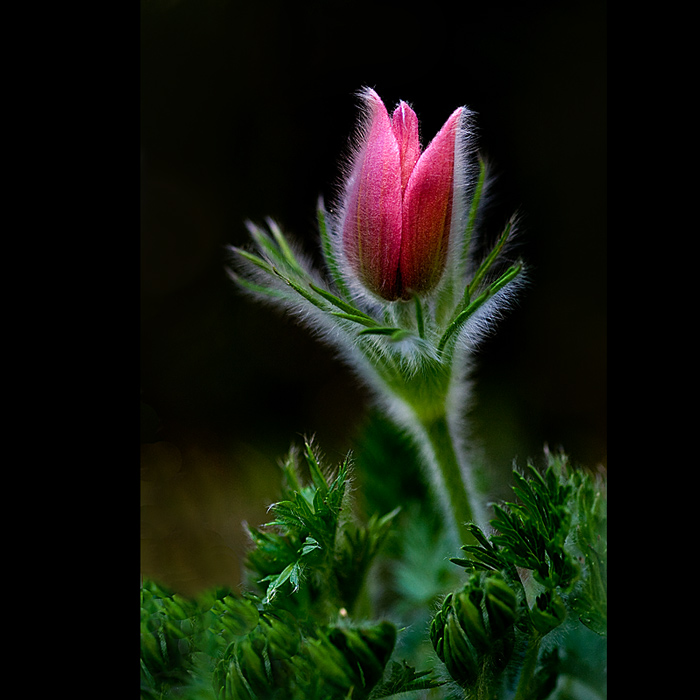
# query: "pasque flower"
[[398, 203], [402, 296]]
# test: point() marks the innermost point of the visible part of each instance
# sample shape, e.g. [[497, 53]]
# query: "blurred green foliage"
[[529, 621], [290, 635]]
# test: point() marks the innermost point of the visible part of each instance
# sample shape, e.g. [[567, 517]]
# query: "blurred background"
[[246, 110]]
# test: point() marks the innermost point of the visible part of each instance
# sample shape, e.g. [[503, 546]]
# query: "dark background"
[[246, 109]]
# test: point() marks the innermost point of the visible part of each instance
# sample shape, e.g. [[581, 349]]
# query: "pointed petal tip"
[[405, 119], [404, 111], [455, 118], [370, 95]]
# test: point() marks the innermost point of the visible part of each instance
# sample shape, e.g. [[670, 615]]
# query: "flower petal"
[[405, 125], [427, 211], [373, 219]]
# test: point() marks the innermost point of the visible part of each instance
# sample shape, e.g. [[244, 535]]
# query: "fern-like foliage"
[[314, 549], [542, 569], [182, 638], [291, 634], [521, 627]]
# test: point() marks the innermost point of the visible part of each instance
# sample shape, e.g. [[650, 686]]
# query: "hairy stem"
[[448, 474], [527, 673]]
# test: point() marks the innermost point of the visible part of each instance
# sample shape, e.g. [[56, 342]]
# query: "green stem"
[[436, 440], [527, 673]]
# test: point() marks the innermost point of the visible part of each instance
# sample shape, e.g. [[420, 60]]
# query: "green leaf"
[[486, 264], [277, 581], [275, 247], [257, 288], [510, 274], [310, 545], [457, 324], [504, 521], [465, 563], [284, 247], [482, 559], [342, 305], [480, 537], [317, 477], [255, 259], [396, 334], [420, 323], [362, 320], [473, 210], [485, 554], [265, 243], [299, 289], [327, 249]]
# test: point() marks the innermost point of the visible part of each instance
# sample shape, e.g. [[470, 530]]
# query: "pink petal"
[[405, 125], [372, 225], [427, 211]]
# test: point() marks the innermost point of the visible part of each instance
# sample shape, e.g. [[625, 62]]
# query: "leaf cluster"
[[314, 548], [533, 530], [556, 531], [549, 549], [282, 659], [181, 638], [290, 636]]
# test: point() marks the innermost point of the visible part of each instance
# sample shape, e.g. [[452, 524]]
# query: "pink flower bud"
[[399, 202]]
